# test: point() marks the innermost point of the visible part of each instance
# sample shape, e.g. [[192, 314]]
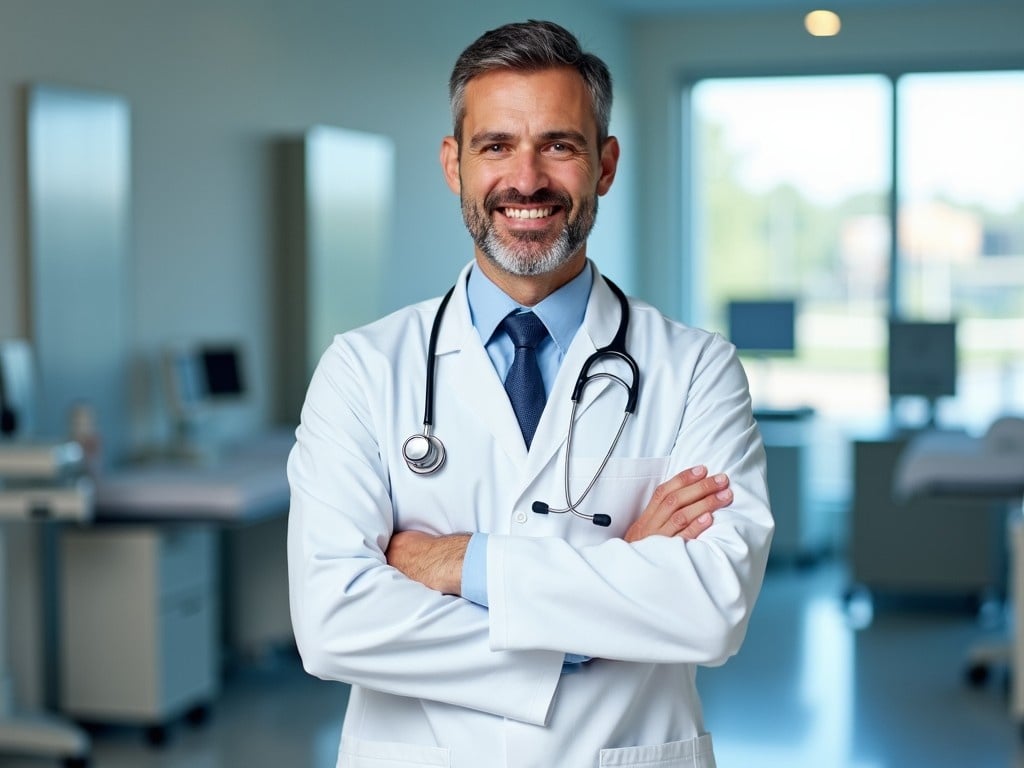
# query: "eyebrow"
[[501, 137], [489, 137]]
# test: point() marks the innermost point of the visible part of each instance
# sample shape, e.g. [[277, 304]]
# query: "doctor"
[[476, 630]]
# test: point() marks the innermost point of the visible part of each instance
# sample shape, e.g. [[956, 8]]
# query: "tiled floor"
[[809, 690]]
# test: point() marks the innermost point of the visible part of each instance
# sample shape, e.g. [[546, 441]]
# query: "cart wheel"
[[198, 715], [156, 735]]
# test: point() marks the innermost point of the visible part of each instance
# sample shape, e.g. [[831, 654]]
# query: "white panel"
[[349, 187], [78, 178], [336, 205]]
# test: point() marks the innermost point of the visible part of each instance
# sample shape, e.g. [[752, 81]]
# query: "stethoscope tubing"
[[573, 505], [424, 453]]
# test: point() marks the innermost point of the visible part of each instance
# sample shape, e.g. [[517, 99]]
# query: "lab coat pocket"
[[357, 753], [691, 753], [622, 489]]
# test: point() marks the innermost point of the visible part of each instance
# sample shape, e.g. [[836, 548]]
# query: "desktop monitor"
[[222, 371], [763, 326], [201, 375], [922, 358]]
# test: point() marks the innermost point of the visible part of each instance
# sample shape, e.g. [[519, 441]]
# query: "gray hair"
[[528, 47]]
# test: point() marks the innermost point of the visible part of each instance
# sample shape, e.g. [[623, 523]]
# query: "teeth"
[[527, 213]]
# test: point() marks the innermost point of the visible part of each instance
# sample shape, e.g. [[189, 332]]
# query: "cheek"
[[477, 185]]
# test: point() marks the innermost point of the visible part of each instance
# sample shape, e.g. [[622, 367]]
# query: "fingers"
[[691, 493], [673, 493], [697, 518], [684, 505]]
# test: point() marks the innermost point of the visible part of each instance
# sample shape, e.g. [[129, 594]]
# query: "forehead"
[[535, 102]]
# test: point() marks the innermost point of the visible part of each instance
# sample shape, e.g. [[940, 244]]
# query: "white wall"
[[211, 85], [666, 52]]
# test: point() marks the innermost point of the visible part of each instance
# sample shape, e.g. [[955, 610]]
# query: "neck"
[[530, 290]]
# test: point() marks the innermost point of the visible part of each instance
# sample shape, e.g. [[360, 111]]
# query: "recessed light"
[[822, 23]]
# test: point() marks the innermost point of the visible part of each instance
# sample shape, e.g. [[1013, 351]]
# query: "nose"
[[527, 174]]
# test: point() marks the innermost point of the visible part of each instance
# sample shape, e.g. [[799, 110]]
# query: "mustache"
[[507, 197]]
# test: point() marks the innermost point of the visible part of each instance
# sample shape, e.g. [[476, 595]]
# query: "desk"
[[243, 485], [151, 567]]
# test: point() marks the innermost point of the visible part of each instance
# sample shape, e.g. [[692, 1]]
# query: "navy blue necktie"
[[523, 383]]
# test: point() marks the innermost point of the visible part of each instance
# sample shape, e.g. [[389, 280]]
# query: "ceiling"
[[683, 7]]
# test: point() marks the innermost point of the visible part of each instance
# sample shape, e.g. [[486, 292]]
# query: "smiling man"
[[529, 163], [479, 622]]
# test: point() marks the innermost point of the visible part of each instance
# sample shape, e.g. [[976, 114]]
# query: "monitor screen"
[[922, 358], [198, 375], [222, 371], [765, 326]]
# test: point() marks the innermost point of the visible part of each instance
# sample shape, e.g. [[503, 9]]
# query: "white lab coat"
[[439, 681]]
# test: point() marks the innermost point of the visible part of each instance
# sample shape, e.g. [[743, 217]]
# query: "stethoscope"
[[424, 453]]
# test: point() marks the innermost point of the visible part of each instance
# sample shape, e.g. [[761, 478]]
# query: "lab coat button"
[[520, 517]]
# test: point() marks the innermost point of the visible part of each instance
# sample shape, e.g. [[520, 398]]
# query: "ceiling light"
[[822, 23]]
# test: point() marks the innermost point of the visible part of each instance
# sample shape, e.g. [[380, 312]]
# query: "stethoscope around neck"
[[424, 453]]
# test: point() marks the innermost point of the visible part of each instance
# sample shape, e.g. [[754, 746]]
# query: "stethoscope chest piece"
[[424, 453]]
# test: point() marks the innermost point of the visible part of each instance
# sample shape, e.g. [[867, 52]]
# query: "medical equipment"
[[425, 453], [38, 482]]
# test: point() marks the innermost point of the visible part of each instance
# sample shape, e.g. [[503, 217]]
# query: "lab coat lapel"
[[599, 326], [472, 378]]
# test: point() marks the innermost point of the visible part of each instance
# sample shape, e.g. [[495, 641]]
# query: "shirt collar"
[[562, 312]]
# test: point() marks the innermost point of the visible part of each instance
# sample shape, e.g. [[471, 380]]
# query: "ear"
[[609, 162], [450, 163]]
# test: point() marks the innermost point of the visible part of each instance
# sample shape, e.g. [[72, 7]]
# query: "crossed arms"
[[681, 506]]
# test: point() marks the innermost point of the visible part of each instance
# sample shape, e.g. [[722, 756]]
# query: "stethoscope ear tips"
[[602, 520], [424, 454]]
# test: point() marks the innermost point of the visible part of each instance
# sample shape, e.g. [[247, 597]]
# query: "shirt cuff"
[[474, 570]]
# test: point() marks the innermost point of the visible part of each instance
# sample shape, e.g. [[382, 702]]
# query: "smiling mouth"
[[528, 213]]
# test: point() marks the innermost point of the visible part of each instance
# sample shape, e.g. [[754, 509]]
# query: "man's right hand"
[[682, 506]]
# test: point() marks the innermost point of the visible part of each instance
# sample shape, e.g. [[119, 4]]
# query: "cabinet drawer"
[[186, 559], [187, 639]]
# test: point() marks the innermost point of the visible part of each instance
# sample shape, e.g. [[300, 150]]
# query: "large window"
[[792, 194], [961, 226]]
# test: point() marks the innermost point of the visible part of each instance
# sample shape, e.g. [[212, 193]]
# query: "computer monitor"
[[922, 360], [763, 326], [198, 377], [222, 371]]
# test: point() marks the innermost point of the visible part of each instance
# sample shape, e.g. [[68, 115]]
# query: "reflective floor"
[[817, 685], [822, 684]]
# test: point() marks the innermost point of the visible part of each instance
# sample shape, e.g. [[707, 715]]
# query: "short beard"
[[522, 256]]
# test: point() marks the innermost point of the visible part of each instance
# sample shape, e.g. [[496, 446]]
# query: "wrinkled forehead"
[[535, 102]]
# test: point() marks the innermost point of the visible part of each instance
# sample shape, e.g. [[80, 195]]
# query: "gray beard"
[[518, 257]]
